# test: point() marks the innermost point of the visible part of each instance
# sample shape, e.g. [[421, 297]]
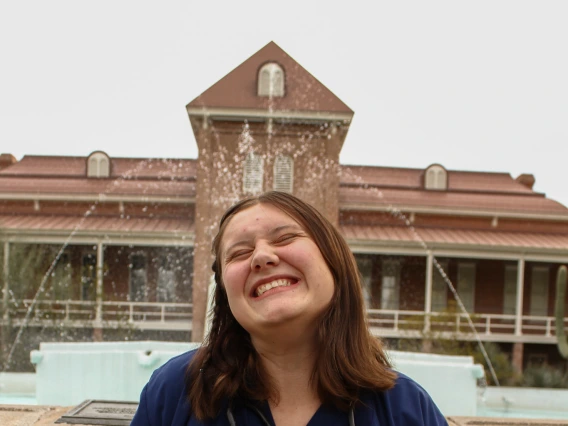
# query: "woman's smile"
[[271, 287]]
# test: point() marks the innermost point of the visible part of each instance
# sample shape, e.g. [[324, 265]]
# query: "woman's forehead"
[[260, 218]]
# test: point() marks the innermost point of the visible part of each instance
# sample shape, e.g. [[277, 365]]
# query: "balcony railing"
[[78, 313], [496, 327], [383, 322]]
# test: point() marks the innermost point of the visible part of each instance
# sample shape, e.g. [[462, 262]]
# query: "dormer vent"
[[271, 80], [436, 178], [98, 165], [526, 179]]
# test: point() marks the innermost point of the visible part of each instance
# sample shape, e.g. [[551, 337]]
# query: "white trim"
[[96, 198], [376, 247], [244, 113], [448, 211], [147, 240]]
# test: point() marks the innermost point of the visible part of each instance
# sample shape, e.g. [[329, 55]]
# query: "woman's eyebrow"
[[272, 232], [284, 228]]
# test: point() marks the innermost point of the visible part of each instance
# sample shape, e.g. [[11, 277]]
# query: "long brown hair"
[[349, 359]]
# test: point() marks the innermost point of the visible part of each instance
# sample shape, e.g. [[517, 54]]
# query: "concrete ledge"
[[42, 415], [30, 415], [488, 421]]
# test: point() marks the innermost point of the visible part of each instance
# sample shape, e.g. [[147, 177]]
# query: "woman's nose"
[[263, 256]]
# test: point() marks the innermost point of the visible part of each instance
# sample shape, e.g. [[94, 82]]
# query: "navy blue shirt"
[[163, 402]]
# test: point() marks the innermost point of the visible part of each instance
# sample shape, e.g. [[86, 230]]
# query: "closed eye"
[[237, 254], [286, 238]]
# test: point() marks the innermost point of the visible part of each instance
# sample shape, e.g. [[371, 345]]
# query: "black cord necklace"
[[232, 421]]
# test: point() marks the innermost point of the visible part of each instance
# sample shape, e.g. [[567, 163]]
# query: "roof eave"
[[448, 211], [265, 114]]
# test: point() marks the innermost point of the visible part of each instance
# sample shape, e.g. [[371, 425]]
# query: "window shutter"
[[283, 173], [253, 174], [271, 80]]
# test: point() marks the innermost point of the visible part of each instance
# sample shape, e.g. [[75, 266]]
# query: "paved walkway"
[[28, 415]]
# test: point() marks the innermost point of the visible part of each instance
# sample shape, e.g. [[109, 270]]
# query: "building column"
[[5, 328], [519, 305], [98, 325], [428, 291], [6, 278], [518, 348]]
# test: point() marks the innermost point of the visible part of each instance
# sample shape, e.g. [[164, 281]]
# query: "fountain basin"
[[450, 380], [69, 373]]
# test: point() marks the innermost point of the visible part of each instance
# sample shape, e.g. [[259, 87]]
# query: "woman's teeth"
[[276, 283]]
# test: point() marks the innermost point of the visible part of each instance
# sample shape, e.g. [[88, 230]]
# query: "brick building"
[[137, 233]]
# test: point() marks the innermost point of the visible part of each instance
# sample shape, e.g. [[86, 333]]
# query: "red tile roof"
[[95, 186], [413, 178], [361, 187], [415, 199], [435, 237], [238, 89]]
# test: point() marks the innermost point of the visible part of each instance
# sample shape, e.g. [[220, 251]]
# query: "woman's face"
[[273, 272]]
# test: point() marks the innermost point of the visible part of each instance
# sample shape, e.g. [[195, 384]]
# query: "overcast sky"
[[478, 85]]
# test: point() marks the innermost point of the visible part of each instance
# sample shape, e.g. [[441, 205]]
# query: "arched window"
[[436, 177], [283, 173], [98, 165], [271, 80], [253, 174]]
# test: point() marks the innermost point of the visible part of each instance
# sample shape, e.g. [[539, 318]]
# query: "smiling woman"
[[289, 343]]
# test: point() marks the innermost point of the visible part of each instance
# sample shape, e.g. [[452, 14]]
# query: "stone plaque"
[[95, 412]]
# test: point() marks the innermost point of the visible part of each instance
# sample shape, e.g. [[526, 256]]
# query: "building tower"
[[268, 124]]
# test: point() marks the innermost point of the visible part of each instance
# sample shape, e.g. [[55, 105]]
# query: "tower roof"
[[238, 89]]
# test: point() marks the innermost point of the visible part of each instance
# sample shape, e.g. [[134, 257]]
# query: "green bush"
[[544, 376]]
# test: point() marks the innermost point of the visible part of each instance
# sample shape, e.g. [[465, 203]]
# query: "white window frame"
[[466, 284], [510, 280], [365, 265], [439, 288], [88, 281], [390, 284], [144, 294], [167, 281], [62, 277], [539, 291]]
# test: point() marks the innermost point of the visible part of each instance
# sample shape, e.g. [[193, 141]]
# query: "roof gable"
[[238, 89]]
